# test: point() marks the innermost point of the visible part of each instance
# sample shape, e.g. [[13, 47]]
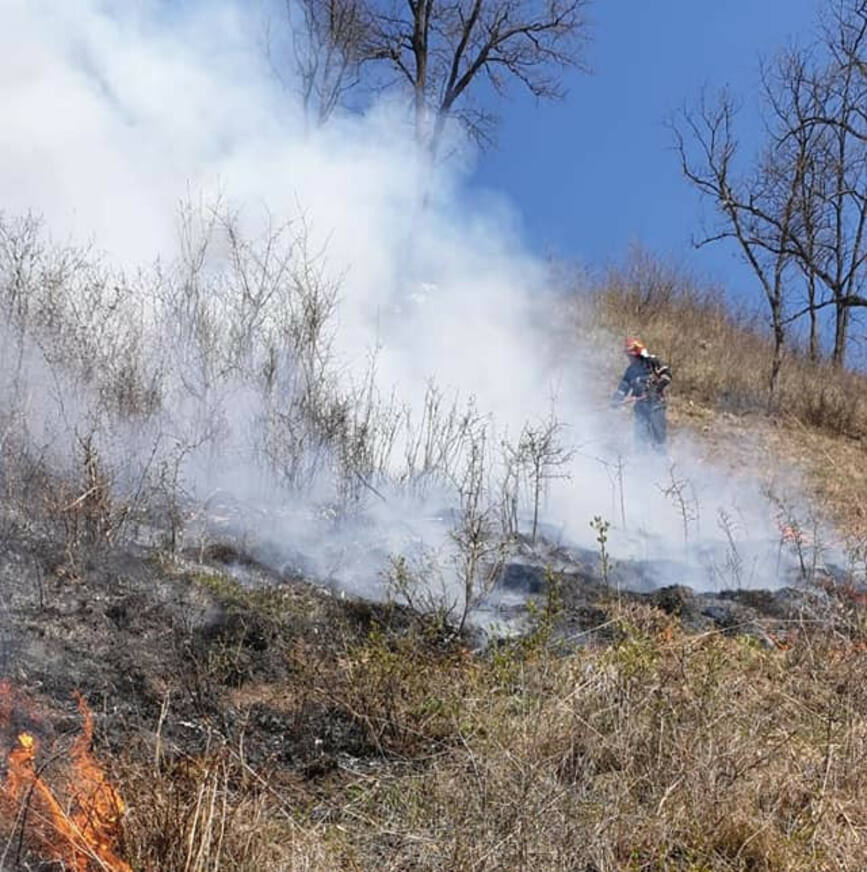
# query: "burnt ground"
[[139, 636], [574, 577], [176, 651]]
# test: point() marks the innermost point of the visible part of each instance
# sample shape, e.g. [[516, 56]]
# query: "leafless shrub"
[[481, 550], [224, 360], [510, 488], [481, 545], [682, 494], [601, 527], [435, 445], [732, 573], [537, 457], [417, 581], [800, 536], [543, 455]]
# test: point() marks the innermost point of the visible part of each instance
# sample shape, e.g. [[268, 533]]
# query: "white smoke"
[[115, 112]]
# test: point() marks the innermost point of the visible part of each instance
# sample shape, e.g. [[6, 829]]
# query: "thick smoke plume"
[[270, 335]]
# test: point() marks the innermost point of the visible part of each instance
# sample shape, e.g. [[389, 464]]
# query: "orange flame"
[[84, 833], [791, 533]]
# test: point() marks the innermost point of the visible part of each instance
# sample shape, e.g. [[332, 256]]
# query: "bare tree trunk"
[[777, 360], [814, 319], [436, 134], [537, 498], [814, 336], [841, 332], [420, 117], [421, 23]]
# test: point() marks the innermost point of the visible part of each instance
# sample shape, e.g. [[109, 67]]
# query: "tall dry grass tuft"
[[663, 752], [721, 356], [212, 812]]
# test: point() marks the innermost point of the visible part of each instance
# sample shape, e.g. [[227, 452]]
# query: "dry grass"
[[721, 358], [662, 752], [831, 468], [721, 362]]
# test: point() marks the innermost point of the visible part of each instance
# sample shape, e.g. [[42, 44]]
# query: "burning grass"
[[662, 751], [77, 825]]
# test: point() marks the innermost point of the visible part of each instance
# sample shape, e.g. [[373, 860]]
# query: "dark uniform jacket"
[[646, 379]]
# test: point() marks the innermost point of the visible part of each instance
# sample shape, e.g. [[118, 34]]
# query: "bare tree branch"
[[442, 48], [325, 53]]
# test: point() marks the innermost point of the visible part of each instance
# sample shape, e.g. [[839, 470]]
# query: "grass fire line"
[[80, 833]]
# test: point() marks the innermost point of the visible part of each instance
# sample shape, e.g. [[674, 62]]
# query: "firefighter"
[[644, 382]]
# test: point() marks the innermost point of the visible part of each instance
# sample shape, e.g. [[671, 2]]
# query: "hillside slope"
[[252, 720], [272, 726], [721, 360]]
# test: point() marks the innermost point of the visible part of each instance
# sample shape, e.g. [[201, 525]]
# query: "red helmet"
[[634, 346]]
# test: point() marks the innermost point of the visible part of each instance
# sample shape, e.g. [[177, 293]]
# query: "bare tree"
[[805, 205], [832, 113], [758, 210], [441, 49], [818, 97], [328, 41], [790, 97]]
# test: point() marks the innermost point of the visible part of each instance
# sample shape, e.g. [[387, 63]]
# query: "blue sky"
[[595, 172]]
